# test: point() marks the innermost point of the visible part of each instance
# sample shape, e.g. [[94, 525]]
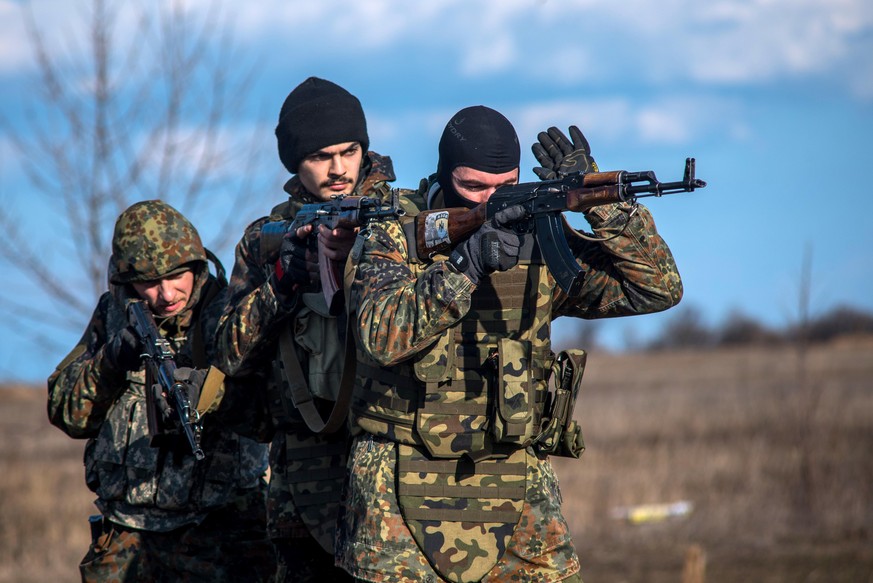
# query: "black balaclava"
[[317, 114], [480, 138]]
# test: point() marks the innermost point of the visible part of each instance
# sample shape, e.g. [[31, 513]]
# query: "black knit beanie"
[[316, 114], [480, 138]]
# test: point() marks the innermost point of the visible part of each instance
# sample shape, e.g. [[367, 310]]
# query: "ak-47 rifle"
[[438, 231], [347, 212], [160, 370]]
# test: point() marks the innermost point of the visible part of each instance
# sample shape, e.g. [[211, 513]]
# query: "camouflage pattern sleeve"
[[251, 320], [83, 387], [634, 273], [399, 313]]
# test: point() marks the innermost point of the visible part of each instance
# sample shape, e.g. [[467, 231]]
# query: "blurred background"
[[106, 102]]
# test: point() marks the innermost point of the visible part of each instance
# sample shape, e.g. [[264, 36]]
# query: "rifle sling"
[[301, 396]]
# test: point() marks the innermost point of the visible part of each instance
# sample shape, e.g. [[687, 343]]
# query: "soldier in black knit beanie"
[[322, 140]]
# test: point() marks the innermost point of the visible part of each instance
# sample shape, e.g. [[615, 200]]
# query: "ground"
[[770, 446]]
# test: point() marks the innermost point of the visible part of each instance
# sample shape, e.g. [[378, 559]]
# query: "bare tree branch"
[[133, 103]]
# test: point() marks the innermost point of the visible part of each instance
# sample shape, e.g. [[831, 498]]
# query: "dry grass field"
[[771, 447]]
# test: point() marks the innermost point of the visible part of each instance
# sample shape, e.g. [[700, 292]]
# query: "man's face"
[[477, 186], [332, 170], [167, 296]]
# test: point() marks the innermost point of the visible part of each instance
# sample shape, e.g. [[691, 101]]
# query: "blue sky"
[[774, 98]]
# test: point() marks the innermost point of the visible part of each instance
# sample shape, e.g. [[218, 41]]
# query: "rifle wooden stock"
[[584, 199], [331, 274], [440, 230]]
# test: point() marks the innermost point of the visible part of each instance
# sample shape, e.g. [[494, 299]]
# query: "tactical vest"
[[463, 412], [485, 378]]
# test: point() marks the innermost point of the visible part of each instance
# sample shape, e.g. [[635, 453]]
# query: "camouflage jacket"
[[306, 470], [407, 304], [456, 376], [137, 485]]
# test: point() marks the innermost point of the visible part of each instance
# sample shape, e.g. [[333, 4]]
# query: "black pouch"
[[95, 521]]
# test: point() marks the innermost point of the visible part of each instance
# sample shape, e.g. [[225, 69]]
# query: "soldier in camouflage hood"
[[449, 475], [164, 515], [275, 301]]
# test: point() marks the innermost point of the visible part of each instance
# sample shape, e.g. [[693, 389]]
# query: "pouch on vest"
[[315, 331], [561, 435], [435, 363], [451, 420], [461, 514], [513, 417]]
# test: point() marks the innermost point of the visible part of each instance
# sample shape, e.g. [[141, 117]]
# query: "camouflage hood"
[[153, 240]]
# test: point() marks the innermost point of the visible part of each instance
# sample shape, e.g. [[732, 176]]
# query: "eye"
[[474, 187]]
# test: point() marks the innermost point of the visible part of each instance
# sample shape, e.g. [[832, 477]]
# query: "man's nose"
[[484, 195], [337, 168], [167, 291]]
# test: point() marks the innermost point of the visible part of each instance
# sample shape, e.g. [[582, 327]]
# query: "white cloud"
[[662, 121], [569, 41], [611, 125], [741, 41], [14, 52]]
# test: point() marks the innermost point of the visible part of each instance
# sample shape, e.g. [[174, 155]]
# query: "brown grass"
[[727, 430], [44, 503], [774, 453]]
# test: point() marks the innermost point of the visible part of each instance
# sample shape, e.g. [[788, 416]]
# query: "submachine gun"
[[438, 231], [167, 400]]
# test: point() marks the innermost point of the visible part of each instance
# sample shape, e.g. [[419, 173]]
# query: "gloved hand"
[[492, 248], [291, 267], [559, 156], [123, 351], [193, 379]]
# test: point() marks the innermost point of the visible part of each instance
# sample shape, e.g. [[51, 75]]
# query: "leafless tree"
[[142, 101]]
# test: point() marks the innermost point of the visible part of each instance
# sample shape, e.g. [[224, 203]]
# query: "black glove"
[[193, 379], [492, 248], [559, 156], [292, 263], [123, 351]]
